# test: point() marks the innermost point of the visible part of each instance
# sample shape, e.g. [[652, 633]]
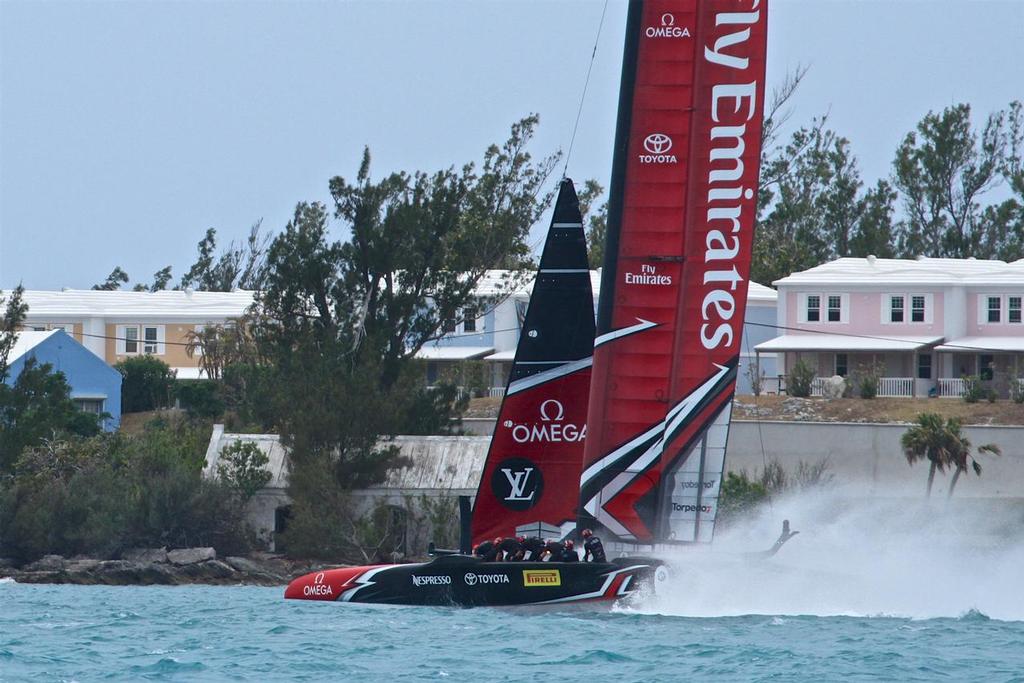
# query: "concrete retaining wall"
[[863, 454]]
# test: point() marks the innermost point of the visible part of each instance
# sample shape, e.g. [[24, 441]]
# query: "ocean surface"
[[200, 633]]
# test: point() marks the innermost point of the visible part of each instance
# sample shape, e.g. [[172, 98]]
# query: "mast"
[[530, 478], [673, 294]]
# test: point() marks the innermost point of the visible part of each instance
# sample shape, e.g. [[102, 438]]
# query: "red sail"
[[681, 217], [529, 483]]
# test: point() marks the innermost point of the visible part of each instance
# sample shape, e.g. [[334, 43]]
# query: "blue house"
[[95, 386]]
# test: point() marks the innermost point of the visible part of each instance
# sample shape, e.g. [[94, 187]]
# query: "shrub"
[[798, 382], [1017, 389], [756, 376], [200, 397], [973, 391], [147, 384], [242, 467], [868, 384]]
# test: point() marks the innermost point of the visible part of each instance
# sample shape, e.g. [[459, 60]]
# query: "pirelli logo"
[[541, 577]]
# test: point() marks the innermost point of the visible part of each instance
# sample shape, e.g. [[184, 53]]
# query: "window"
[[924, 366], [150, 336], [469, 320], [131, 340], [835, 308], [917, 309], [1013, 310], [993, 309], [842, 364], [89, 405], [135, 339], [448, 326], [896, 309], [985, 366], [813, 308]]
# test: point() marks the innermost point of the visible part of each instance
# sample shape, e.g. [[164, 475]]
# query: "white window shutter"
[[120, 334], [161, 347]]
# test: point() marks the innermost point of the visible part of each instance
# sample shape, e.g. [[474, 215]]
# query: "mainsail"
[[673, 289], [530, 479]]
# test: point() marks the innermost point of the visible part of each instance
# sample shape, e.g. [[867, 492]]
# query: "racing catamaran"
[[639, 462]]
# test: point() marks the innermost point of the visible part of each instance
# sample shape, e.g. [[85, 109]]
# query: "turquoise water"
[[201, 633]]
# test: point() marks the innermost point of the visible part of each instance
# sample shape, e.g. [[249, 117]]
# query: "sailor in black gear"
[[532, 545], [552, 551], [569, 553], [593, 550], [508, 548], [487, 551]]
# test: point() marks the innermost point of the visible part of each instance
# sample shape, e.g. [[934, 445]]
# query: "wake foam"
[[858, 556]]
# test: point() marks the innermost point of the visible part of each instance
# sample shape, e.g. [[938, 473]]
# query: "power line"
[[583, 96]]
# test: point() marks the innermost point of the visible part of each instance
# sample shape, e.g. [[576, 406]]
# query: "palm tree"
[[943, 444]]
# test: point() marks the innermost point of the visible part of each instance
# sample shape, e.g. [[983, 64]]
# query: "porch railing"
[[895, 387], [496, 392], [951, 387], [888, 387]]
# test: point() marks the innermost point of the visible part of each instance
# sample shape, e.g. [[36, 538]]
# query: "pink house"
[[922, 323]]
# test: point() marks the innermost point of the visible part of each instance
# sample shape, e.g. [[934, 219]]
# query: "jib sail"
[[673, 289], [529, 484]]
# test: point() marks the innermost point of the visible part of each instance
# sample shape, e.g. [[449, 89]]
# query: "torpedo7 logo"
[[517, 483]]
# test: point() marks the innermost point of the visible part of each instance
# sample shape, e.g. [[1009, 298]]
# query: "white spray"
[[859, 556]]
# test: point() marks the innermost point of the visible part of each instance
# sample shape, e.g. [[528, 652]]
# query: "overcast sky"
[[128, 128]]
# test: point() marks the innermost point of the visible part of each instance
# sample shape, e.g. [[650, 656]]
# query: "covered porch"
[[997, 362], [904, 363]]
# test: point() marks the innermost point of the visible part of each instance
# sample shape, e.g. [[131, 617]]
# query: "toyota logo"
[[657, 143], [470, 579]]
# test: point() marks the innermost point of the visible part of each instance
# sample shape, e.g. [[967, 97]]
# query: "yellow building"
[[116, 325]]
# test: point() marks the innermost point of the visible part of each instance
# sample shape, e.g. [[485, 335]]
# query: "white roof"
[[975, 344], [755, 292], [843, 342], [758, 292], [84, 303], [508, 355], [453, 352], [27, 341], [882, 272], [189, 373]]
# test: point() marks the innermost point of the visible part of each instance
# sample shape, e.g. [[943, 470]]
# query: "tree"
[[942, 171], [238, 266], [944, 445], [146, 385], [14, 315], [114, 281], [813, 209], [595, 220]]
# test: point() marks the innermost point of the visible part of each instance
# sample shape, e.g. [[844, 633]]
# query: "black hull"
[[462, 581]]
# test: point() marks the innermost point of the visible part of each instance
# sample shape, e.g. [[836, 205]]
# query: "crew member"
[[593, 550], [508, 548], [487, 550], [532, 545], [552, 551], [569, 552]]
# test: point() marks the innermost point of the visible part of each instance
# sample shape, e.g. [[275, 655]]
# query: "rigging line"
[[583, 96]]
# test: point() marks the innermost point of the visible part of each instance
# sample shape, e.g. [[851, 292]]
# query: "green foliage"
[[14, 315], [242, 467], [739, 495], [114, 281], [868, 378], [38, 406], [798, 382], [238, 266], [102, 494], [943, 170], [973, 389], [1017, 388], [944, 445], [595, 220], [147, 383], [200, 398]]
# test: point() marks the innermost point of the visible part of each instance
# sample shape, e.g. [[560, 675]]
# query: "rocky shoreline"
[[158, 566]]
